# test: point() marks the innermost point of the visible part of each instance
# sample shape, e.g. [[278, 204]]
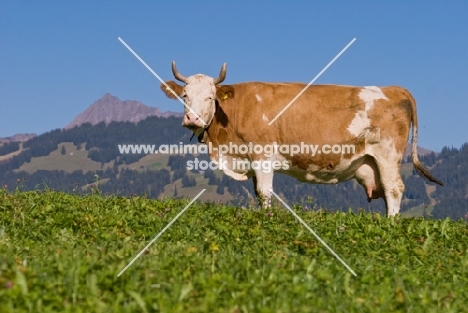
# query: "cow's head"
[[199, 95]]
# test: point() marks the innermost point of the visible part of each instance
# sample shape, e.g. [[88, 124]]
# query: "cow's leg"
[[388, 155], [392, 186], [263, 182]]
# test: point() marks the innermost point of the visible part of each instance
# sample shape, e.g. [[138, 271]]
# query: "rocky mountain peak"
[[111, 109]]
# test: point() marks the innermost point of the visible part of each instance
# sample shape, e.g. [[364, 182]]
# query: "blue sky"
[[58, 57]]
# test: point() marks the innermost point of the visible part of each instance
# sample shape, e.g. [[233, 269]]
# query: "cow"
[[374, 121]]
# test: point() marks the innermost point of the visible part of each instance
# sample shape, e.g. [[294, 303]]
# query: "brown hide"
[[321, 115]]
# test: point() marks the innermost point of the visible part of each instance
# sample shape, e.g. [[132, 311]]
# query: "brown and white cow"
[[376, 121]]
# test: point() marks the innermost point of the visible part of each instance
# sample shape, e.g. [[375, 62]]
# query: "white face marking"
[[265, 118], [257, 96], [368, 94], [200, 93]]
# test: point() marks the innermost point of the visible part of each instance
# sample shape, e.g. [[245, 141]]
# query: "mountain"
[[17, 138], [111, 109]]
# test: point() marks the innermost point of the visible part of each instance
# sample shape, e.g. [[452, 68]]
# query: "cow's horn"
[[176, 73], [222, 75]]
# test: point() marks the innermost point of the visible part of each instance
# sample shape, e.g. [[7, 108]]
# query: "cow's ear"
[[175, 87], [224, 92]]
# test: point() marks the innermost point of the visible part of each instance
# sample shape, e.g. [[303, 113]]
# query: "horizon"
[[57, 60]]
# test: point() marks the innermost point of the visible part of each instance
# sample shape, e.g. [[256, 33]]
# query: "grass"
[[62, 253], [69, 162], [150, 161], [202, 183]]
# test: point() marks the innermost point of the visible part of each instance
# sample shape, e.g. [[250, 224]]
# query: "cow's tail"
[[414, 145]]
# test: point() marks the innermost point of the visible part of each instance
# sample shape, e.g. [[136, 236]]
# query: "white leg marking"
[[388, 162], [264, 186]]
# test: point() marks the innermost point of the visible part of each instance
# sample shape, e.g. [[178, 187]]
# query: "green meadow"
[[62, 253]]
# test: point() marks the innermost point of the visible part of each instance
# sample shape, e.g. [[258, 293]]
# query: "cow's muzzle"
[[192, 121]]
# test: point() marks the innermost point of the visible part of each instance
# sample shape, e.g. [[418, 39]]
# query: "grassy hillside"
[[62, 253], [12, 154], [71, 160], [67, 158]]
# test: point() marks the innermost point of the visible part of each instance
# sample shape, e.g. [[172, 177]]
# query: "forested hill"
[[86, 157], [452, 169]]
